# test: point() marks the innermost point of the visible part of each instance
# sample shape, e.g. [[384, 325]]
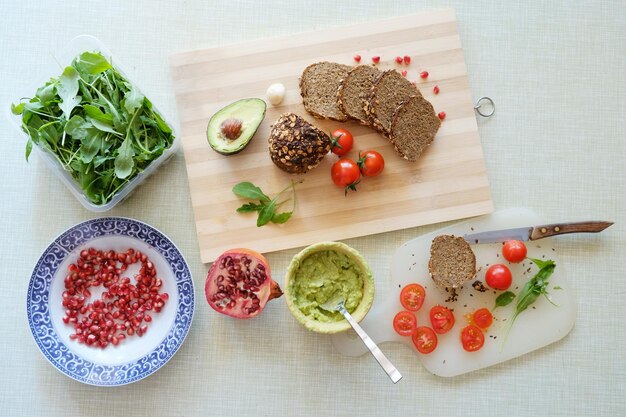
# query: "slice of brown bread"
[[389, 90], [318, 87], [354, 90], [452, 261], [413, 127]]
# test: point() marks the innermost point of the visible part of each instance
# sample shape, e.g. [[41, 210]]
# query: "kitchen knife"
[[536, 232]]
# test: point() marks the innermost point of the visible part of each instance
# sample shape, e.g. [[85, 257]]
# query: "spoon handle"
[[385, 363]]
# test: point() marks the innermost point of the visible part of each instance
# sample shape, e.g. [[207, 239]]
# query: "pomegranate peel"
[[239, 284]]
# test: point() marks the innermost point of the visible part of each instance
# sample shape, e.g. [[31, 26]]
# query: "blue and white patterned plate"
[[136, 357]]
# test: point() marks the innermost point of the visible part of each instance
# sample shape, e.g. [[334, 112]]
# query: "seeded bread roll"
[[452, 261], [318, 87], [354, 90], [389, 90], [295, 145], [413, 127]]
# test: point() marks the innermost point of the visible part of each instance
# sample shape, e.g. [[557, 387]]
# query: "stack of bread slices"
[[384, 100]]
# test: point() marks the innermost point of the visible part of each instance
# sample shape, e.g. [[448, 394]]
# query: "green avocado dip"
[[325, 275]]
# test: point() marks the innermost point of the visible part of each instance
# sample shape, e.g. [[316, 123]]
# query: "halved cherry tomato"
[[442, 319], [405, 323], [498, 277], [412, 297], [482, 318], [424, 339], [342, 142], [345, 173], [371, 163], [514, 251], [472, 338]]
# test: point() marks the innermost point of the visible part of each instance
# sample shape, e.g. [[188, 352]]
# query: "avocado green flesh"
[[250, 111], [323, 276]]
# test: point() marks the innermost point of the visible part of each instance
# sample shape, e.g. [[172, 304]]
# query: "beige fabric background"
[[557, 71]]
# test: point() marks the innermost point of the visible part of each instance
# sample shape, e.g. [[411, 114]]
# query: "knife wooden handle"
[[547, 230]]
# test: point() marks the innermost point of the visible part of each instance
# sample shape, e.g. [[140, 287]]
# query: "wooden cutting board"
[[541, 324], [448, 182]]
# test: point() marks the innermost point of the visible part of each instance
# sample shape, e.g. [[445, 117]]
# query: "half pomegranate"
[[239, 284]]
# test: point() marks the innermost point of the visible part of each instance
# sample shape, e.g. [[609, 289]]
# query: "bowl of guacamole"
[[328, 271]]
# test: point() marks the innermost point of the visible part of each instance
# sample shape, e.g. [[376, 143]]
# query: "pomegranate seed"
[[376, 59], [147, 318], [130, 331], [115, 341], [441, 115], [65, 319], [424, 74], [399, 59], [144, 329], [404, 73], [436, 89], [407, 59]]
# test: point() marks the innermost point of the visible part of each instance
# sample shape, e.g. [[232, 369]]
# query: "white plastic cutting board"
[[538, 326]]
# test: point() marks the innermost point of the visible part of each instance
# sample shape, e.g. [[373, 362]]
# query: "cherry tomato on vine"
[[499, 277], [371, 163], [345, 173], [482, 318], [342, 142], [442, 319], [424, 339], [412, 297], [405, 323], [514, 251], [472, 338]]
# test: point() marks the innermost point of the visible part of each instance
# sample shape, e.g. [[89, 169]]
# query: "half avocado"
[[231, 128]]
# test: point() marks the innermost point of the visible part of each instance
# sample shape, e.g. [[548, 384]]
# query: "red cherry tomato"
[[498, 277], [514, 251], [424, 339], [482, 318], [345, 173], [412, 297], [342, 142], [442, 319], [371, 163], [472, 338], [405, 323]]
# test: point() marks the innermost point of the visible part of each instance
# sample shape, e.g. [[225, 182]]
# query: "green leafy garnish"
[[535, 287], [98, 126], [504, 299], [266, 207]]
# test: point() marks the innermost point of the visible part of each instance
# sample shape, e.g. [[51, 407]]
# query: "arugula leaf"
[[249, 207], [250, 191], [266, 213], [280, 218], [17, 110], [133, 99], [46, 92], [77, 127], [124, 161], [90, 146], [91, 63], [504, 299], [97, 114], [67, 89]]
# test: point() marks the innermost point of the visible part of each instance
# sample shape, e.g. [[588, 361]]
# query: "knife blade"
[[536, 232]]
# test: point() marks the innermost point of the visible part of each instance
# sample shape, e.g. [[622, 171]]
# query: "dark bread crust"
[[414, 127], [352, 96], [318, 87], [379, 107], [452, 261], [295, 145]]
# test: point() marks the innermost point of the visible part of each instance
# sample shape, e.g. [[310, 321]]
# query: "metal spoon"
[[335, 303]]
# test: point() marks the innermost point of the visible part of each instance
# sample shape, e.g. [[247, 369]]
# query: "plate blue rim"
[[42, 329]]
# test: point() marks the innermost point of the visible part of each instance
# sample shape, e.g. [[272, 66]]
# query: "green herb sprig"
[[266, 207], [96, 124], [535, 287]]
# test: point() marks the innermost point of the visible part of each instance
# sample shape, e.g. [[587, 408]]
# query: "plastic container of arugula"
[[93, 126]]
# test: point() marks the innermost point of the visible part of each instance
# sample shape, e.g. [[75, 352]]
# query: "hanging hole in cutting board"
[[485, 107]]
